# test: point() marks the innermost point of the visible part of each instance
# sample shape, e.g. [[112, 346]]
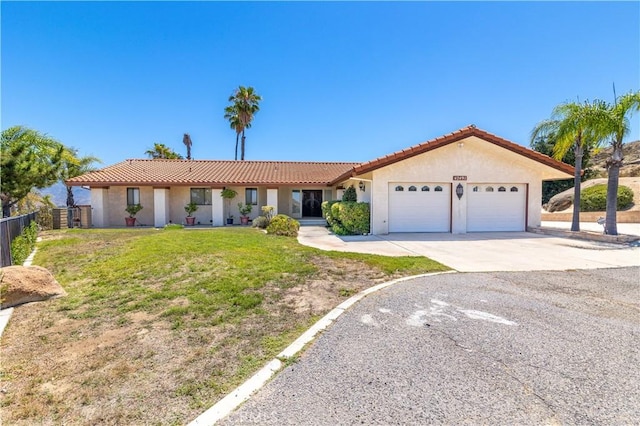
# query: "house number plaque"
[[459, 178]]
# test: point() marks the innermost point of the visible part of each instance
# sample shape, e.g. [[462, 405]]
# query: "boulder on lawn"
[[24, 284], [561, 201]]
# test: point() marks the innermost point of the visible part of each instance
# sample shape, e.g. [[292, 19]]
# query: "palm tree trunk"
[[237, 136], [242, 146], [70, 201], [575, 221], [613, 172]]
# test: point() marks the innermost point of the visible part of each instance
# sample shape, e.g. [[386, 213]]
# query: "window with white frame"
[[201, 196], [251, 196], [133, 196]]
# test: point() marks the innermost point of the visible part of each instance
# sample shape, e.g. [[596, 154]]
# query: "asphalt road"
[[471, 348]]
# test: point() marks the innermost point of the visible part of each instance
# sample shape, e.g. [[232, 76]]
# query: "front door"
[[311, 203]]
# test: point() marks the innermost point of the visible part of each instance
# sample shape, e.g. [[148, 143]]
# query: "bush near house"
[[347, 217], [260, 222], [350, 195], [283, 225], [594, 199], [326, 211]]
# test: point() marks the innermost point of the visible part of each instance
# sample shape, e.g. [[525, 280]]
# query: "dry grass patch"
[[159, 325]]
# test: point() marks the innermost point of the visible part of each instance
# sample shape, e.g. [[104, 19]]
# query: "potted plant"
[[229, 194], [132, 209], [190, 208], [244, 212]]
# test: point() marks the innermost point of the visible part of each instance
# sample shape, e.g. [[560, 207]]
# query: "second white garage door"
[[496, 207], [419, 207]]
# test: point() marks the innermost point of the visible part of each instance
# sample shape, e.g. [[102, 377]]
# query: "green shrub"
[[347, 217], [283, 225], [260, 222], [594, 199], [350, 195], [267, 211], [45, 217], [326, 210], [23, 245], [355, 217]]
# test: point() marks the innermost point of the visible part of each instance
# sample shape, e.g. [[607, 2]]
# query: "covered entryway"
[[419, 207], [496, 207], [312, 203]]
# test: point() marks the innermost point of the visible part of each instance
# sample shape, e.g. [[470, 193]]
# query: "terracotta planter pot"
[[190, 220], [131, 221], [244, 220]]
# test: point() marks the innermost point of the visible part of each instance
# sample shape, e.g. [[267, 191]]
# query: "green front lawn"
[[159, 324]]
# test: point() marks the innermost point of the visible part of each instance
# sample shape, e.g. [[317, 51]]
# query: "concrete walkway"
[[488, 251], [623, 228]]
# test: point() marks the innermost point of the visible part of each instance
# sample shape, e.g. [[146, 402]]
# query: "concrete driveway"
[[490, 251], [506, 348]]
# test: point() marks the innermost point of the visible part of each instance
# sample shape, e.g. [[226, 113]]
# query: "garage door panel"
[[491, 209], [419, 210]]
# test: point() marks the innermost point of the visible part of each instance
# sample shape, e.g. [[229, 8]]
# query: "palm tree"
[[186, 140], [160, 150], [579, 127], [75, 166], [245, 104], [617, 124], [231, 114]]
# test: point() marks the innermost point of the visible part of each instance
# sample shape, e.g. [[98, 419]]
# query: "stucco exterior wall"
[[116, 202], [478, 160]]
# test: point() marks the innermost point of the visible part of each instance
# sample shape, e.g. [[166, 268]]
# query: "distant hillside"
[[58, 194], [631, 153]]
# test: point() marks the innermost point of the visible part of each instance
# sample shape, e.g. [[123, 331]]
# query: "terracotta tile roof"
[[213, 172], [265, 173], [454, 137]]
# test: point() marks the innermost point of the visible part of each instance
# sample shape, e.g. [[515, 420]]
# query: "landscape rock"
[[24, 284], [561, 201]]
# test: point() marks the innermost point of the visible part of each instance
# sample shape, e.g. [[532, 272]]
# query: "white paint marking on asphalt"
[[385, 310], [437, 309], [485, 316], [416, 319], [368, 319]]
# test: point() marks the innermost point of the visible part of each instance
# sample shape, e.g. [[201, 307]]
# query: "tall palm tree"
[[231, 114], [186, 140], [160, 150], [577, 126], [617, 124], [246, 103]]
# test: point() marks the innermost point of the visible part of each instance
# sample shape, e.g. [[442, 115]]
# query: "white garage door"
[[419, 207], [496, 207]]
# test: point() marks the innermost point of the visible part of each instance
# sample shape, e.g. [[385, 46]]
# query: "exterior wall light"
[[459, 191], [361, 186]]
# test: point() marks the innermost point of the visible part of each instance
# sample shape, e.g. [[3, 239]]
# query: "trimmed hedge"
[[283, 225], [347, 217], [594, 199]]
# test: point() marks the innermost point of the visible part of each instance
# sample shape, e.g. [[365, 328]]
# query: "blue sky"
[[340, 81]]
